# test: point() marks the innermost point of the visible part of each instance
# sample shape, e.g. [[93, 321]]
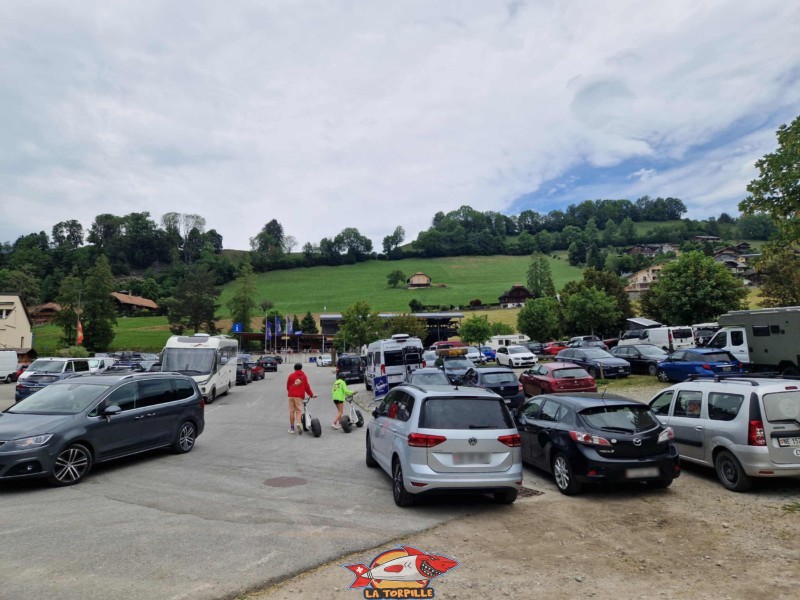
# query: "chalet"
[[516, 296], [15, 325], [44, 313], [650, 250], [705, 238], [418, 280], [743, 247], [641, 280], [128, 304]]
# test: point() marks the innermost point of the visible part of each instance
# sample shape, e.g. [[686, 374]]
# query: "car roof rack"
[[751, 378]]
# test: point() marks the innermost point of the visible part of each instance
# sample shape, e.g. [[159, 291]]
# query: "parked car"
[[454, 367], [515, 356], [243, 373], [44, 371], [591, 438], [553, 348], [429, 358], [535, 347], [256, 370], [501, 380], [742, 426], [62, 430], [475, 355], [20, 371], [551, 377], [488, 352], [597, 362], [350, 367], [643, 358], [580, 343], [705, 362], [324, 360], [269, 363], [427, 376], [444, 440]]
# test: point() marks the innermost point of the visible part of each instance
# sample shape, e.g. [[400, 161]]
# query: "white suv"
[[515, 356], [743, 427]]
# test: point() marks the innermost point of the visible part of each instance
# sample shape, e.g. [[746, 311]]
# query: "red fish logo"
[[400, 568]]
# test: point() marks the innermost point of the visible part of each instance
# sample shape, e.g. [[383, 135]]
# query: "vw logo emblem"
[[637, 442], [472, 441]]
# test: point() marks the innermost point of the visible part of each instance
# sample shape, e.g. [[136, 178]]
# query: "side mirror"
[[223, 360], [112, 410], [375, 413]]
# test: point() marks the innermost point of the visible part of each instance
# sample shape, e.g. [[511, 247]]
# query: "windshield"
[[60, 399], [47, 366], [629, 419], [191, 361], [596, 353]]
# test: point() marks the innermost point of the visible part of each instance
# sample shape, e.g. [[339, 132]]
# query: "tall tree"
[[97, 307], [540, 278], [779, 269], [308, 324], [359, 326], [68, 234], [692, 289], [475, 330], [540, 319], [69, 299], [391, 242], [243, 303], [193, 304], [409, 324], [395, 278], [590, 311]]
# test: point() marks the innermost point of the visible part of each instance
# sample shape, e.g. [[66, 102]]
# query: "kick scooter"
[[310, 423], [355, 416]]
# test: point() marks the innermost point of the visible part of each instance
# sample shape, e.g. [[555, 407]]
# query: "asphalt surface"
[[216, 522]]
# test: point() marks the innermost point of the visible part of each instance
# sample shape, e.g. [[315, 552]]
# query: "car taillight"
[[706, 366], [755, 434], [383, 369], [425, 440], [588, 439], [519, 386], [512, 440], [666, 435]]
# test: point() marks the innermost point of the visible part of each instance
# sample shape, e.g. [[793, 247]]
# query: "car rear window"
[[782, 406], [465, 413], [569, 373], [717, 357], [625, 419], [682, 334], [393, 358], [495, 378], [349, 362]]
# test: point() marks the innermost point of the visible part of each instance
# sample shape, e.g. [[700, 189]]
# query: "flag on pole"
[[267, 332], [288, 325], [277, 325], [79, 335]]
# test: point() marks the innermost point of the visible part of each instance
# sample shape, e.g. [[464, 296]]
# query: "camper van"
[[514, 339], [667, 338], [393, 358]]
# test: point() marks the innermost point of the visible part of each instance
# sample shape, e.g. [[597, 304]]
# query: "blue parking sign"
[[381, 386]]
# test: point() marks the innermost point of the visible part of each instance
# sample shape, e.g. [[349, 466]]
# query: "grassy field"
[[134, 333], [455, 281]]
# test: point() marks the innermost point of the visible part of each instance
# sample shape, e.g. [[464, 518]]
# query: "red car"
[[552, 377], [553, 348], [257, 370]]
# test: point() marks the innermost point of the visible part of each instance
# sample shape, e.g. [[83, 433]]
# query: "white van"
[[98, 364], [393, 358], [515, 339], [8, 365], [666, 338]]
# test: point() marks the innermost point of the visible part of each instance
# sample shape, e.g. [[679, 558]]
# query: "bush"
[[74, 352], [475, 302]]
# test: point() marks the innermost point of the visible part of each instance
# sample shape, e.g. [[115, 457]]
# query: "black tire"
[[662, 376], [399, 492], [652, 370], [71, 465], [316, 428], [730, 472], [185, 438], [346, 424], [370, 460], [212, 396], [565, 476], [9, 378], [506, 496], [661, 484], [790, 371], [359, 419]]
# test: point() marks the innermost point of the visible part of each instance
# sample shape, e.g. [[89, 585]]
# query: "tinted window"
[[682, 334], [628, 419], [81, 366], [155, 391], [183, 388], [723, 407], [571, 373], [393, 358], [465, 413], [737, 338], [760, 330], [124, 396], [687, 404], [550, 411]]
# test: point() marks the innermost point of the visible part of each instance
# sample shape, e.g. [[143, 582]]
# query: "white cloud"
[[326, 115]]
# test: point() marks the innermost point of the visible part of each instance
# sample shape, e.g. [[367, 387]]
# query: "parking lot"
[[252, 506]]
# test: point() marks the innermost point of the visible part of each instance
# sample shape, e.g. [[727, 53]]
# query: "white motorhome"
[[764, 340], [392, 357], [667, 338], [209, 360], [514, 339]]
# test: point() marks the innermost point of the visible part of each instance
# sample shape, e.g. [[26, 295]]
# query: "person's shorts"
[[338, 401], [295, 404]]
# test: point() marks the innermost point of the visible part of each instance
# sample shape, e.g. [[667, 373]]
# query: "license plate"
[[471, 458], [726, 368], [788, 442], [644, 472]]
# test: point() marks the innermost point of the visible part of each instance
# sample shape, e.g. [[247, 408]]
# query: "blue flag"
[[288, 325], [277, 326]]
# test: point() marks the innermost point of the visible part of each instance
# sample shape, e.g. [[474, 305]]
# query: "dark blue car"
[[597, 362], [704, 362]]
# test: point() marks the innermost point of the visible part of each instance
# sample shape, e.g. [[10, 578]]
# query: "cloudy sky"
[[328, 114]]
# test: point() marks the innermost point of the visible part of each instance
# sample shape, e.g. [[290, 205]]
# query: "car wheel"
[[506, 496], [662, 375], [367, 384], [8, 378], [399, 492], [730, 472], [564, 476], [652, 370], [184, 441], [370, 460], [212, 396], [71, 465]]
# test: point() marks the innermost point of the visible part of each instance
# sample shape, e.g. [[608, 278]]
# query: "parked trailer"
[[765, 340]]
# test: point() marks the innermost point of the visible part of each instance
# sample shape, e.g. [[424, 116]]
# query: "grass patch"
[[792, 507], [132, 333]]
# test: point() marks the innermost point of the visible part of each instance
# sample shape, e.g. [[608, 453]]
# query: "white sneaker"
[[291, 430], [336, 426], [299, 429]]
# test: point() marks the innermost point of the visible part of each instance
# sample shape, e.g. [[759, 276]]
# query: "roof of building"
[[124, 298]]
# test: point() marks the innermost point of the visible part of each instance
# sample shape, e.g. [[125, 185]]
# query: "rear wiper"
[[483, 426]]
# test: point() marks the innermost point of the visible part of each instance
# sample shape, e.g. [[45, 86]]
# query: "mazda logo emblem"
[[637, 442], [472, 441]]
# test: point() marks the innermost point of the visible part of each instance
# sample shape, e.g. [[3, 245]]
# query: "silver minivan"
[[444, 439], [743, 427]]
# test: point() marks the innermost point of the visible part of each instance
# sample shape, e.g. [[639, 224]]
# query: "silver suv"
[[743, 427], [443, 439]]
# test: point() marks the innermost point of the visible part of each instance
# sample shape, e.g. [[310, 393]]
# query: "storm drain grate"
[[283, 482], [527, 492]]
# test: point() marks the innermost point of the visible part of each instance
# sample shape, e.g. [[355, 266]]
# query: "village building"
[[516, 296], [44, 314], [418, 280], [641, 280], [15, 326], [130, 305]]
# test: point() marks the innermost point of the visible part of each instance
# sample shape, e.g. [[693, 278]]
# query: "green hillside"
[[462, 279]]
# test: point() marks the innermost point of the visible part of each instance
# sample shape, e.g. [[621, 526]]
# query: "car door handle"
[[698, 428], [140, 417]]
